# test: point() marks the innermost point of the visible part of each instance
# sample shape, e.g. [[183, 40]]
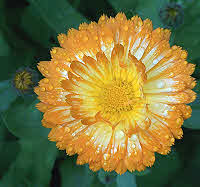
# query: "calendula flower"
[[115, 93]]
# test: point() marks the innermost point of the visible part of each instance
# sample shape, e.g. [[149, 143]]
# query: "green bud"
[[172, 15]]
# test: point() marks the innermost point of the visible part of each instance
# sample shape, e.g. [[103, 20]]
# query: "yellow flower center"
[[116, 97]]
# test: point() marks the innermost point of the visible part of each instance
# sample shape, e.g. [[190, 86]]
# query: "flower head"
[[115, 93]]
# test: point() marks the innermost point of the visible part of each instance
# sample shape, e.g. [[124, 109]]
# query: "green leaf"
[[196, 73], [24, 120], [193, 121], [90, 174], [59, 15], [33, 165], [73, 174], [127, 179], [165, 167], [150, 9], [186, 178], [10, 16], [18, 58], [7, 94], [195, 155], [9, 151], [141, 173], [125, 6], [2, 12], [37, 28], [107, 177], [190, 30], [5, 135], [189, 173], [5, 48], [3, 129], [9, 148], [97, 183]]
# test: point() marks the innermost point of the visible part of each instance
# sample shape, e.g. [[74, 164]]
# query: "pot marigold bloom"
[[115, 93]]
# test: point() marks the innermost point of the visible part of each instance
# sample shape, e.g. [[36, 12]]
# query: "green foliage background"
[[28, 30]]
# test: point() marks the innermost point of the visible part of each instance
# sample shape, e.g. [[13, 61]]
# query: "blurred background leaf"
[[150, 9], [123, 5], [142, 173], [6, 148], [193, 122], [14, 61], [189, 154], [126, 179], [126, 6], [24, 120], [5, 48], [37, 28], [9, 148], [7, 94], [92, 11], [164, 168], [32, 166], [74, 175], [107, 177], [187, 35], [57, 14]]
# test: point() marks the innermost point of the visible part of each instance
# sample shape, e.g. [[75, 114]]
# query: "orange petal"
[[43, 107], [53, 69], [58, 115]]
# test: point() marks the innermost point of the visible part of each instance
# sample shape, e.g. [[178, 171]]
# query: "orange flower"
[[116, 93]]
